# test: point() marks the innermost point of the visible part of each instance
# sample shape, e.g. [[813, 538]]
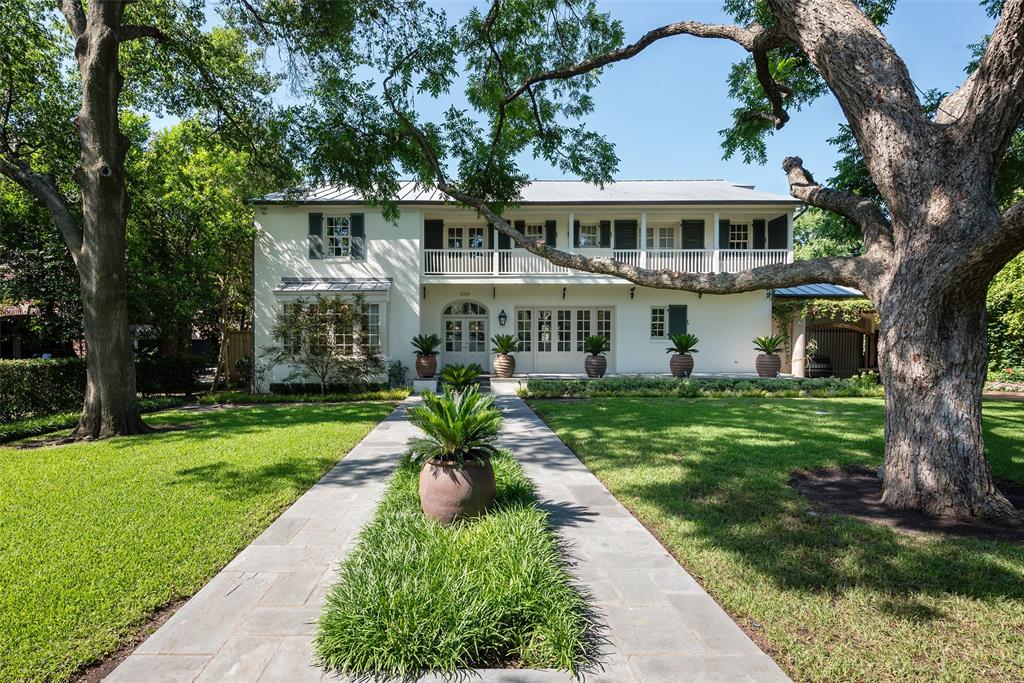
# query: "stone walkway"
[[255, 620]]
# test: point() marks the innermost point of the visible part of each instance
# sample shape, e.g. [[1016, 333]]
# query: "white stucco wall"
[[392, 251]]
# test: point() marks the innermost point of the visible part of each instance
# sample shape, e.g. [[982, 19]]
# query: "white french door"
[[465, 341], [551, 338]]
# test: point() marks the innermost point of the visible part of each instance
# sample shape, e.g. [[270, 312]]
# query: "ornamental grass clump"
[[416, 596]]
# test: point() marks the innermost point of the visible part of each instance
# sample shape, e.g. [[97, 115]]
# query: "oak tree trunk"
[[110, 406], [933, 358]]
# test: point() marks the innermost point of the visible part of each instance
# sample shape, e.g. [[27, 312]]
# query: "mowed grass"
[[490, 592], [94, 537], [830, 598]]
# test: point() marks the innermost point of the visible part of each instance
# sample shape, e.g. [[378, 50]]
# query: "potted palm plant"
[[461, 377], [426, 346], [681, 363], [595, 364], [768, 362], [504, 345], [460, 432]]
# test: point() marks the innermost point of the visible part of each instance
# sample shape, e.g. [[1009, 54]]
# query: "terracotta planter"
[[595, 366], [504, 365], [448, 493], [681, 364], [426, 366], [768, 365]]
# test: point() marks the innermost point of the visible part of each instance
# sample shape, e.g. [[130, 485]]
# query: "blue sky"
[[664, 107]]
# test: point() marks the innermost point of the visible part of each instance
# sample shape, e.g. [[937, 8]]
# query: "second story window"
[[590, 235], [739, 236], [338, 240], [661, 238]]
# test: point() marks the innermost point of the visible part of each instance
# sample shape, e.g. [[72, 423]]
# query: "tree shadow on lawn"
[[727, 487]]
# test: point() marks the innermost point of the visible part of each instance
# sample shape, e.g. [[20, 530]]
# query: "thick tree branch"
[[44, 188], [133, 32], [74, 13], [772, 89], [862, 211], [990, 103], [752, 38], [1011, 224]]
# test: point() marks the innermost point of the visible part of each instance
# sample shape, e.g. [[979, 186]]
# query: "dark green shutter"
[[316, 235], [433, 234], [606, 234], [550, 233], [759, 236], [358, 248], [693, 234], [778, 233], [625, 234], [576, 234], [490, 236], [676, 319], [723, 233]]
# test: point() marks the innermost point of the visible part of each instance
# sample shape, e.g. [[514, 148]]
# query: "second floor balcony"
[[520, 263]]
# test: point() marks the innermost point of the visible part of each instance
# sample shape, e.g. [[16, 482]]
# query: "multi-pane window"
[[455, 238], [524, 329], [371, 326], [661, 238], [658, 322], [739, 235], [332, 329], [476, 337], [339, 236], [564, 330], [453, 335], [544, 330], [534, 231], [475, 238], [604, 325], [590, 235], [582, 328]]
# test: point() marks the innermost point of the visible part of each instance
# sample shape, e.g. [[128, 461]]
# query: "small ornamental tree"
[[325, 339]]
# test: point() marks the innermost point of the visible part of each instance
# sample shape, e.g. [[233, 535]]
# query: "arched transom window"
[[465, 308]]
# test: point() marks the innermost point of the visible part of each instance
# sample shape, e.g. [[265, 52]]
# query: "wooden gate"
[[843, 346], [239, 346]]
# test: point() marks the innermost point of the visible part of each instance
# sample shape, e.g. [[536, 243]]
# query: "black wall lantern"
[[502, 318]]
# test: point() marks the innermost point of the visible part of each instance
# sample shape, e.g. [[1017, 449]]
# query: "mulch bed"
[[857, 491]]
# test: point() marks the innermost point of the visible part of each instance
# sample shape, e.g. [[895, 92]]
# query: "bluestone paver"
[[256, 619]]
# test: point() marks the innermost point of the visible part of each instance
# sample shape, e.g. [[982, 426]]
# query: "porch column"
[[799, 360], [572, 233], [643, 239], [716, 266], [789, 236]]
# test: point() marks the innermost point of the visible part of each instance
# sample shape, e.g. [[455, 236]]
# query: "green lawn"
[[830, 598], [490, 592], [96, 536]]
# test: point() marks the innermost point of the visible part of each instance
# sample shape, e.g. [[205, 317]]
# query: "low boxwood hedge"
[[862, 385]]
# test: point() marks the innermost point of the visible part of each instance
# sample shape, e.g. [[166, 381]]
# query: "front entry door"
[[551, 339], [465, 335]]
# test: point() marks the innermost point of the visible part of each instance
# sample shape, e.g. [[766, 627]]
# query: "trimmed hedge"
[[36, 387], [34, 426], [824, 387], [40, 387], [243, 398]]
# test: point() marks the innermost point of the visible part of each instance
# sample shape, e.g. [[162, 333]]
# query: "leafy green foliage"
[[245, 398], [833, 598], [36, 387], [505, 343], [47, 424], [491, 592], [770, 343], [595, 344], [426, 344], [461, 377], [116, 529], [683, 342], [457, 426], [823, 387]]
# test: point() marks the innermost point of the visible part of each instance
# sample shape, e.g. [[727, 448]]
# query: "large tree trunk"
[[932, 354], [110, 406]]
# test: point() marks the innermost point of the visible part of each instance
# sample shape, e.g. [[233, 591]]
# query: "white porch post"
[[572, 233], [716, 264], [789, 236], [643, 239], [495, 260], [799, 360]]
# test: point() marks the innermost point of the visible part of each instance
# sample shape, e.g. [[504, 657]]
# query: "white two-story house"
[[441, 269]]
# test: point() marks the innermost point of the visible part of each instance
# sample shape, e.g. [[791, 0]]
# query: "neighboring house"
[[441, 269]]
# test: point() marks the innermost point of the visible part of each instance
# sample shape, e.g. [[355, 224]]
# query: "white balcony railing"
[[514, 262]]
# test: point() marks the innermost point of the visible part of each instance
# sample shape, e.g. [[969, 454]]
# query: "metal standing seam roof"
[[330, 284], [823, 289], [566, 192]]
